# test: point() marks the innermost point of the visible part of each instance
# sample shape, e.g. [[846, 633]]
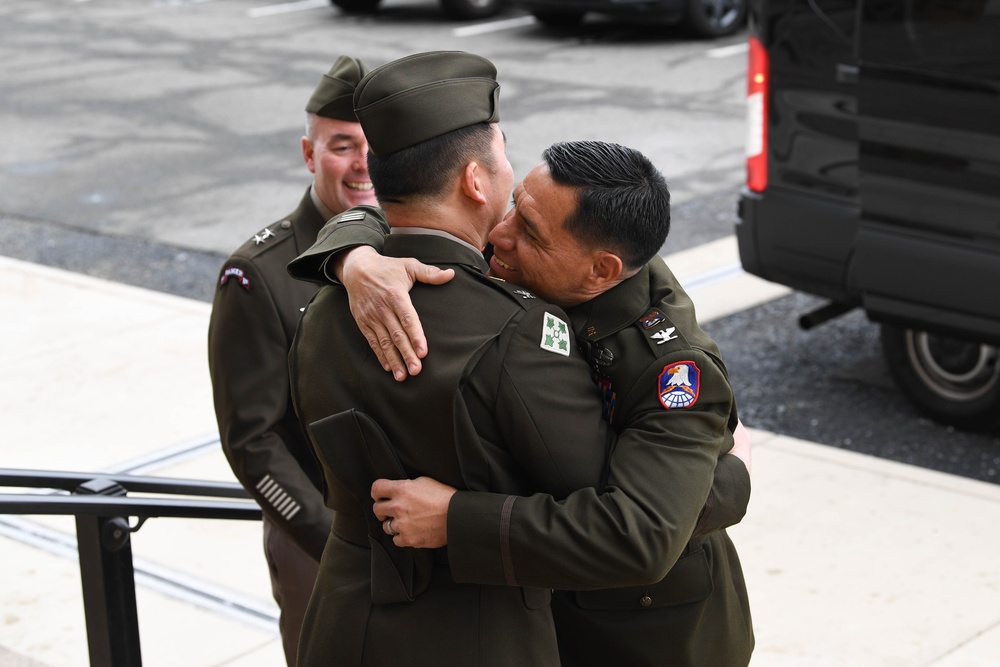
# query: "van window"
[[958, 38]]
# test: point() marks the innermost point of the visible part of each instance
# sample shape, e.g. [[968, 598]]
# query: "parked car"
[[873, 180], [463, 10], [706, 18]]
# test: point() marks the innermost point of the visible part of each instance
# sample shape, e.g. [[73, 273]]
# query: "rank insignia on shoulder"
[[263, 236], [679, 385], [352, 216], [663, 336], [555, 335], [237, 274], [524, 294], [651, 319]]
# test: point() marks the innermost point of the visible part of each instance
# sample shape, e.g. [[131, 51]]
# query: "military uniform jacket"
[[504, 403], [667, 395], [255, 311], [730, 493], [640, 529]]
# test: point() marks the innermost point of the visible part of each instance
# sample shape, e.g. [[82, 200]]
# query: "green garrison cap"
[[423, 96], [334, 96]]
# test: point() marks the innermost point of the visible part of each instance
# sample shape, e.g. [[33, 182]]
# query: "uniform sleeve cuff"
[[474, 534]]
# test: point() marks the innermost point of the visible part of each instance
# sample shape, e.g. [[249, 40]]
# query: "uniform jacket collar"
[[612, 311], [433, 249], [306, 222]]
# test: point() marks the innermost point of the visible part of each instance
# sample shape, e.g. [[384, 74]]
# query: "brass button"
[[285, 224], [645, 601]]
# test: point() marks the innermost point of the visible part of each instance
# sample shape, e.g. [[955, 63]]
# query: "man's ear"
[[606, 269], [472, 187], [308, 154]]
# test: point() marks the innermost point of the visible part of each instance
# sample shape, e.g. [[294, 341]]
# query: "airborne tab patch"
[[679, 385], [237, 273], [555, 335]]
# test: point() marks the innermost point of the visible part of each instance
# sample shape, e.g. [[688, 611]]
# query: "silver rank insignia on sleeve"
[[263, 236]]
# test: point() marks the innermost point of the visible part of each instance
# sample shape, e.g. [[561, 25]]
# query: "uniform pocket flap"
[[689, 580]]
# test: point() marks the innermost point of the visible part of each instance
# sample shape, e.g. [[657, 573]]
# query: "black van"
[[873, 180]]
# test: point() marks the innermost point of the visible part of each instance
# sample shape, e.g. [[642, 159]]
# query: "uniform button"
[[645, 601], [285, 224]]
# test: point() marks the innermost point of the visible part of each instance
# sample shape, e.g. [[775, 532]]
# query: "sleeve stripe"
[[274, 494], [505, 555]]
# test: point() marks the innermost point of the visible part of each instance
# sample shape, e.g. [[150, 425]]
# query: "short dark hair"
[[622, 200], [426, 169]]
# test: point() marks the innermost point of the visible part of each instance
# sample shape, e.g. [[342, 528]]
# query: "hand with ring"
[[387, 527]]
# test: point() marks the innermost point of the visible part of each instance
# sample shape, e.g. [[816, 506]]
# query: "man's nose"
[[500, 236]]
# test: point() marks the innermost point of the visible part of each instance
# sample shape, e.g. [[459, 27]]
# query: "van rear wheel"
[[953, 381], [469, 10], [356, 6], [715, 18]]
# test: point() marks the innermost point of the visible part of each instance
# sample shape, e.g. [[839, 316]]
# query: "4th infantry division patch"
[[555, 335]]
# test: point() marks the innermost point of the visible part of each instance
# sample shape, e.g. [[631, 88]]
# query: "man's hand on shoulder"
[[379, 292]]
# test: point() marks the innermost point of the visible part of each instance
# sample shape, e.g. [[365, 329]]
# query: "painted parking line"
[[494, 26], [286, 8], [728, 51]]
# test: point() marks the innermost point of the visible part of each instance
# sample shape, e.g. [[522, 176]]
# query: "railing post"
[[108, 583]]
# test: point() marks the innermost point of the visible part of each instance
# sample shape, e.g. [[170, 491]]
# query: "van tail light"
[[758, 77]]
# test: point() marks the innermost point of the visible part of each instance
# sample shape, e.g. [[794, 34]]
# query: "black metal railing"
[[102, 507]]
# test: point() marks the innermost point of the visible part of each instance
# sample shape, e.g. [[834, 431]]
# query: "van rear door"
[[928, 247]]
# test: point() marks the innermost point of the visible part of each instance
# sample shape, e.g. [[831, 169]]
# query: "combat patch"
[[679, 385], [238, 274], [555, 335]]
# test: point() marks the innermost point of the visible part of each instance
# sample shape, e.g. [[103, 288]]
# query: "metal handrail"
[[100, 505], [70, 481]]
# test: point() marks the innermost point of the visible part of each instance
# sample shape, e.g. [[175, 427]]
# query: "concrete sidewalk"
[[850, 560]]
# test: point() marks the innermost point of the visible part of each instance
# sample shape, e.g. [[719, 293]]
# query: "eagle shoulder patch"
[[679, 385]]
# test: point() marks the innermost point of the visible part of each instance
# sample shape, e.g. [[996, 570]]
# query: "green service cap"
[[334, 96], [423, 96]]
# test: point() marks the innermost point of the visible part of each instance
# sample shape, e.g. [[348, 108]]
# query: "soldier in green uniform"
[[667, 395], [507, 406], [254, 314]]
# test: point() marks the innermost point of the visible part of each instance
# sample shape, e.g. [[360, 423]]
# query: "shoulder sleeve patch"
[[679, 385], [555, 335], [237, 274]]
